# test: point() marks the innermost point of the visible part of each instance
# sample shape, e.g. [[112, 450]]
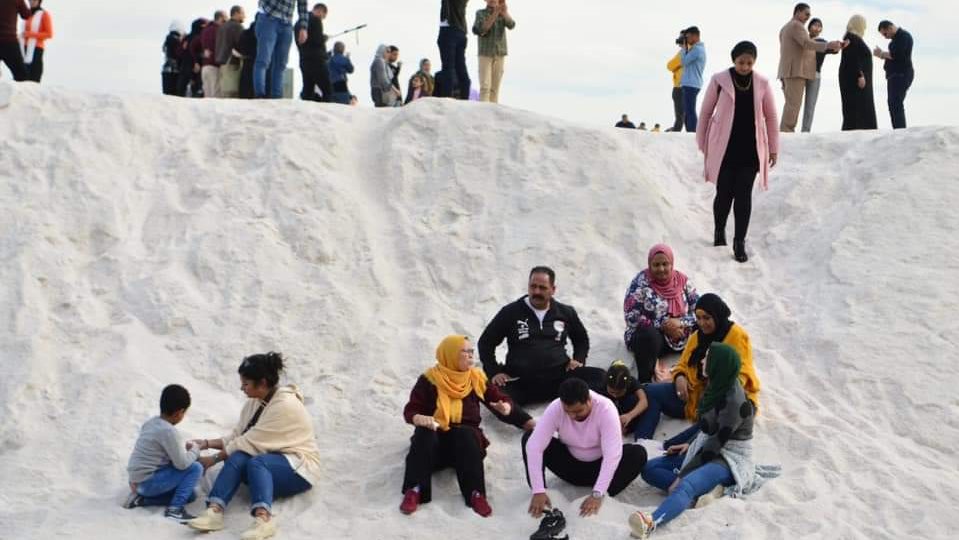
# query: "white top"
[[540, 313]]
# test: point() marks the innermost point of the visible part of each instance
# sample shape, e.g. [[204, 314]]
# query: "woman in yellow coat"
[[680, 398]]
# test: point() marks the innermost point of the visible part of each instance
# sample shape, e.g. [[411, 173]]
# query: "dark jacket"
[[227, 38], [172, 49], [535, 352], [315, 45], [340, 66], [900, 48], [627, 125], [454, 12], [858, 105], [9, 9], [208, 43], [731, 419], [423, 401]]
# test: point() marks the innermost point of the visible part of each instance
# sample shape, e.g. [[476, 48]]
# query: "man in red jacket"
[[9, 45], [210, 70]]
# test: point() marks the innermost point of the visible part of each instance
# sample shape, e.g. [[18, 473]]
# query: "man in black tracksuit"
[[313, 59], [536, 328]]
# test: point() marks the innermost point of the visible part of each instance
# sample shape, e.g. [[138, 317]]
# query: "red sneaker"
[[480, 505], [411, 499]]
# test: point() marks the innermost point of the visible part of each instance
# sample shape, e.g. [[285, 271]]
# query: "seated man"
[[588, 452], [536, 328]]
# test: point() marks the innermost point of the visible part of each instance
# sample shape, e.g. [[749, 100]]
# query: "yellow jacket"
[[738, 339], [676, 66]]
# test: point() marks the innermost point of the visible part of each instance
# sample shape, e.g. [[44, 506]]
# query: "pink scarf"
[[674, 288]]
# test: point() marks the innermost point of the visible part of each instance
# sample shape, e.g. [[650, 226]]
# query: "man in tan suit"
[[796, 67]]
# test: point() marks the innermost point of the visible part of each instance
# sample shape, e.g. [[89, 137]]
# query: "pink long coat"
[[716, 123]]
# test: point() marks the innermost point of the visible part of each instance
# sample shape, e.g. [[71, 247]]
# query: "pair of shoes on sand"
[[212, 520]]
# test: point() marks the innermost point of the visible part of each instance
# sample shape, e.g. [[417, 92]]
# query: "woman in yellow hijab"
[[444, 407]]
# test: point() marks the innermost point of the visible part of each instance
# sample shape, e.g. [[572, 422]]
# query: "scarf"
[[453, 385], [674, 288], [722, 372], [714, 305]]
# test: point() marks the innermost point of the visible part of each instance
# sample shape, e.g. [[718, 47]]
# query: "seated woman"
[[444, 407], [720, 455], [623, 390], [272, 449], [680, 398], [659, 311]]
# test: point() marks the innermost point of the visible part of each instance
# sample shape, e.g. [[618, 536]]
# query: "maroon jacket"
[[423, 401], [208, 42], [9, 9]]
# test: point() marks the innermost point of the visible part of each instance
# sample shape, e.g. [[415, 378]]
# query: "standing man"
[[812, 86], [210, 70], [452, 44], [899, 70], [588, 450], [536, 328], [625, 123], [313, 59], [10, 51], [230, 65], [382, 91], [274, 36], [393, 67], [37, 30], [340, 68], [675, 66], [693, 57], [795, 66], [490, 25]]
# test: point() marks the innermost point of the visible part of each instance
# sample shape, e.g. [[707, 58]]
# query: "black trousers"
[[525, 390], [648, 345], [431, 451], [315, 73], [678, 109], [734, 188], [11, 56], [35, 68], [170, 83], [557, 459]]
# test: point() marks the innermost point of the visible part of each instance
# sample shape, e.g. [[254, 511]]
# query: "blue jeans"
[[268, 475], [662, 472], [273, 40], [897, 86], [662, 398], [170, 486], [689, 107], [452, 44]]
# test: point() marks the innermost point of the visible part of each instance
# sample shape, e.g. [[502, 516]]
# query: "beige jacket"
[[284, 427], [794, 41]]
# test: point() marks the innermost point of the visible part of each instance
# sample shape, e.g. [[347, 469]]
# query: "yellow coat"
[[676, 66], [738, 339]]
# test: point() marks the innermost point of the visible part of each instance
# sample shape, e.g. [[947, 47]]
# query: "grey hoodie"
[[380, 77]]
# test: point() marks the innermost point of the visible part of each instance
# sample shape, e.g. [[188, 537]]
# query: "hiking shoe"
[[178, 514], [410, 501], [640, 525], [552, 524], [710, 497], [480, 505], [134, 500], [260, 530], [719, 237], [739, 251], [207, 521]]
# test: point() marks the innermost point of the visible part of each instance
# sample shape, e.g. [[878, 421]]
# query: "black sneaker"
[[552, 524], [133, 500], [178, 514]]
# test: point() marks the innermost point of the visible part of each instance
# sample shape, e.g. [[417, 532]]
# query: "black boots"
[[739, 251], [719, 237]]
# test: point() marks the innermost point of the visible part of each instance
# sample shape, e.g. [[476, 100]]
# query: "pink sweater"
[[597, 437]]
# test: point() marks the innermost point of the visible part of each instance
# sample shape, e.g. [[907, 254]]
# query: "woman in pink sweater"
[[739, 137]]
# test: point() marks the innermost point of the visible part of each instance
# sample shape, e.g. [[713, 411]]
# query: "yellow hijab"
[[452, 385]]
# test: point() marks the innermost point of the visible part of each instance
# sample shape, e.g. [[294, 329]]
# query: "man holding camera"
[[693, 57], [675, 65]]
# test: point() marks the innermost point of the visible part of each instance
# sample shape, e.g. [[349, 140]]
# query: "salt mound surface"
[[147, 240]]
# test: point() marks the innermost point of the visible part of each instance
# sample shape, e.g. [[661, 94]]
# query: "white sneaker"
[[710, 497], [260, 530], [209, 520], [640, 525]]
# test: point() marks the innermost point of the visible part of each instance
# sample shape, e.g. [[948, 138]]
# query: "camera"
[[681, 40]]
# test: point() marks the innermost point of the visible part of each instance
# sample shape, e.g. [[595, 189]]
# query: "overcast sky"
[[587, 62]]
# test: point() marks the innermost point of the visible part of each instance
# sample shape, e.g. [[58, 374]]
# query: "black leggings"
[[648, 344], [11, 56], [431, 451], [557, 459], [35, 68], [734, 189]]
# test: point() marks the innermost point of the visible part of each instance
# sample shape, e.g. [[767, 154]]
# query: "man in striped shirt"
[[274, 37]]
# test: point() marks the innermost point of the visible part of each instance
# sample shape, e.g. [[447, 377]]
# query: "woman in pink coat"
[[739, 137]]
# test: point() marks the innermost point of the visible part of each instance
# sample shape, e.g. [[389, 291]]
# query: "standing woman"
[[272, 449], [739, 136], [855, 79]]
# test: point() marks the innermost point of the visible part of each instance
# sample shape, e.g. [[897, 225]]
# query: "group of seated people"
[[579, 437]]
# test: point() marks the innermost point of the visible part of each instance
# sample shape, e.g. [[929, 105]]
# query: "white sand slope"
[[145, 241]]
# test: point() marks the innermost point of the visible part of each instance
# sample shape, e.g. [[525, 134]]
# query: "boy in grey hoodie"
[[163, 471]]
